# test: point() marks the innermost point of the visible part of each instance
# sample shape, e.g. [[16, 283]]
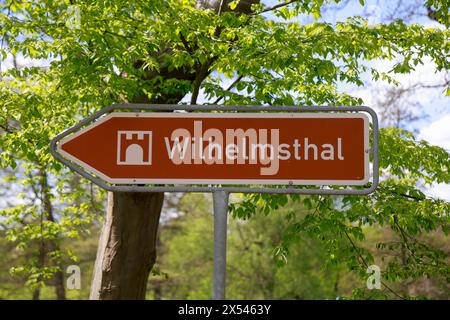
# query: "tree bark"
[[126, 251], [41, 262], [52, 244]]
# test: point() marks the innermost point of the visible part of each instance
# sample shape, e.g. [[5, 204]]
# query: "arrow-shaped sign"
[[224, 148]]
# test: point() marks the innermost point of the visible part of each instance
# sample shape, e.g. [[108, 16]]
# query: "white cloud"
[[22, 61], [433, 24], [436, 128], [438, 132], [433, 103], [439, 190]]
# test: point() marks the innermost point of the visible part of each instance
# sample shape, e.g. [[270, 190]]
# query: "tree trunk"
[[126, 251], [53, 245], [60, 290], [36, 293]]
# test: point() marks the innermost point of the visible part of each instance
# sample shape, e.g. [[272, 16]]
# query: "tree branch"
[[5, 128], [275, 7], [364, 262], [222, 6], [200, 75], [229, 88], [404, 237]]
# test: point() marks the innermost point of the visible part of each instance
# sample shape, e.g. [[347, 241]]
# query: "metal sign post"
[[115, 151], [220, 203]]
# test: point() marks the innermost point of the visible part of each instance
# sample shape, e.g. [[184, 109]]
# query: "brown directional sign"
[[224, 148]]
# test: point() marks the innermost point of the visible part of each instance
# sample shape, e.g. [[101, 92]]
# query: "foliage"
[[253, 270], [160, 51], [398, 203]]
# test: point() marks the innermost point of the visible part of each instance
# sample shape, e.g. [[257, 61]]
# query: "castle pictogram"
[[134, 147]]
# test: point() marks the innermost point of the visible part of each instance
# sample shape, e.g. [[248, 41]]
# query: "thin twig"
[[404, 237], [222, 5], [364, 262], [5, 128], [229, 88], [275, 7]]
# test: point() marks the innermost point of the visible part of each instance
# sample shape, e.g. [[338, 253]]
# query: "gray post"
[[220, 203]]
